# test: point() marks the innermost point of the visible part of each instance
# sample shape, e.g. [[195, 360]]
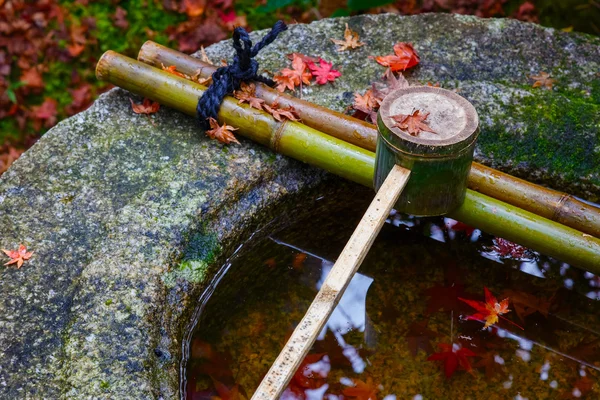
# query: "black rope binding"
[[243, 69]]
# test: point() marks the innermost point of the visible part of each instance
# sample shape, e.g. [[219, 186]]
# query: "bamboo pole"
[[334, 286], [349, 161], [548, 203]]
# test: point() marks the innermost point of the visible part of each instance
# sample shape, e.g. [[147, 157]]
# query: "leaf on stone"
[[304, 57], [367, 103], [223, 133], [404, 57], [204, 57], [290, 78], [362, 390], [18, 256], [419, 337], [490, 310], [453, 356], [147, 107], [323, 72], [543, 79], [281, 113], [412, 123], [351, 40], [247, 94], [390, 83]]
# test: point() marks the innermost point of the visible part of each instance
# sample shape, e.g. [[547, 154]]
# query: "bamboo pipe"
[[313, 147], [548, 203]]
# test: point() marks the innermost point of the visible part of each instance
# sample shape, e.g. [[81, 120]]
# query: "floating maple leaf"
[[489, 362], [18, 256], [362, 390], [453, 356], [323, 72], [281, 113], [226, 393], [247, 94], [223, 134], [147, 107], [507, 249], [298, 262], [526, 304], [419, 337], [350, 40], [405, 57], [290, 78], [412, 123], [543, 79], [490, 310]]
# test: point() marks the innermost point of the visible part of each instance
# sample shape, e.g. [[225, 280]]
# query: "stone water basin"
[[401, 308]]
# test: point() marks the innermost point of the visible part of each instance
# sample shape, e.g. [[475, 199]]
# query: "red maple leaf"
[[18, 256], [362, 390], [508, 249], [458, 226], [490, 310], [290, 78], [405, 57], [453, 356], [323, 72], [120, 18], [147, 107], [412, 123], [223, 134]]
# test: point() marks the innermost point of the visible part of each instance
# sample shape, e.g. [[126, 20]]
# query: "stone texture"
[[129, 216]]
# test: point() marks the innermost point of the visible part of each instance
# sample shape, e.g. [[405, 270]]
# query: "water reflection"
[[397, 313]]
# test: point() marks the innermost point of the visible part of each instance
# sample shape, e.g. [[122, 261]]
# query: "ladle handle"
[[298, 345]]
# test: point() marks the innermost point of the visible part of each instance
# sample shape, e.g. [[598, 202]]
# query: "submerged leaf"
[[453, 356]]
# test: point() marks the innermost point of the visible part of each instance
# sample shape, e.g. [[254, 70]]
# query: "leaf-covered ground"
[[49, 48]]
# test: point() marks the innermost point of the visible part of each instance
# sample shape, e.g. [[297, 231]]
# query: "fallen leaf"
[[323, 72], [247, 94], [46, 112], [32, 78], [204, 57], [223, 134], [458, 226], [412, 123], [453, 356], [491, 365], [543, 79], [193, 8], [507, 249], [405, 57], [120, 18], [351, 40], [18, 256], [490, 310], [526, 304], [389, 84], [172, 69], [281, 113], [367, 104], [298, 262], [147, 107], [419, 337], [362, 390], [290, 78], [227, 394]]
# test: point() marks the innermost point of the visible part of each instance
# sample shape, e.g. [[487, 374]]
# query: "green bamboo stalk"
[[548, 203], [349, 161]]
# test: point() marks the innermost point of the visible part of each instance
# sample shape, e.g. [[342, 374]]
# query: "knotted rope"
[[244, 68]]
